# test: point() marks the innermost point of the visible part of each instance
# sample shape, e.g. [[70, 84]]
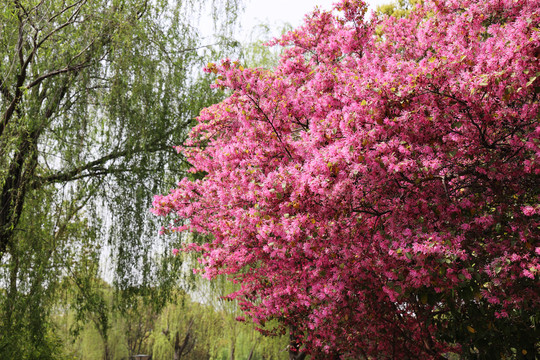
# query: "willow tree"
[[93, 94]]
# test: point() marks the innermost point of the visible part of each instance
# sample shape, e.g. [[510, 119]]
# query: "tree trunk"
[[294, 346], [106, 350], [252, 351], [231, 355], [12, 293], [13, 191], [187, 344]]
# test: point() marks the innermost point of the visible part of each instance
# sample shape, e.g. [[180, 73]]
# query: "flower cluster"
[[381, 184]]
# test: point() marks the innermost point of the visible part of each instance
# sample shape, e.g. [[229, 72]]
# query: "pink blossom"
[[528, 210], [382, 167]]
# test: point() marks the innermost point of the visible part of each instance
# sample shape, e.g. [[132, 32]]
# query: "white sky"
[[277, 13]]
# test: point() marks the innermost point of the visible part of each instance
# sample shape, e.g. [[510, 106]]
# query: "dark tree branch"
[[97, 167], [67, 8], [5, 91], [271, 124], [67, 69], [8, 114], [15, 186], [70, 21]]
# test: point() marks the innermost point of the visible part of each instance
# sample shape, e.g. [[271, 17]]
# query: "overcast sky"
[[279, 12]]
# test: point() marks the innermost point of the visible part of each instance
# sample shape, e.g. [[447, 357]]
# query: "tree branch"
[[39, 79], [96, 167], [5, 91], [271, 124], [66, 9]]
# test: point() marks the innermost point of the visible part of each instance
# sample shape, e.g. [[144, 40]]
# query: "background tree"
[[88, 90], [398, 8], [204, 332], [378, 195]]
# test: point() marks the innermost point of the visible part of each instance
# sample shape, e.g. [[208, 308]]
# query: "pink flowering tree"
[[378, 192]]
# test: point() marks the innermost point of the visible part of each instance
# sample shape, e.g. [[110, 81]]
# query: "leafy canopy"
[[93, 94]]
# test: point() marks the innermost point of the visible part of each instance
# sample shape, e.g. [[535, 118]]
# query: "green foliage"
[[93, 94], [398, 9], [162, 349], [208, 333], [88, 349], [27, 304], [216, 332], [255, 53]]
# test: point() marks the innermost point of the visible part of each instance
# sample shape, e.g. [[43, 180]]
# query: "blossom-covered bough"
[[378, 191]]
